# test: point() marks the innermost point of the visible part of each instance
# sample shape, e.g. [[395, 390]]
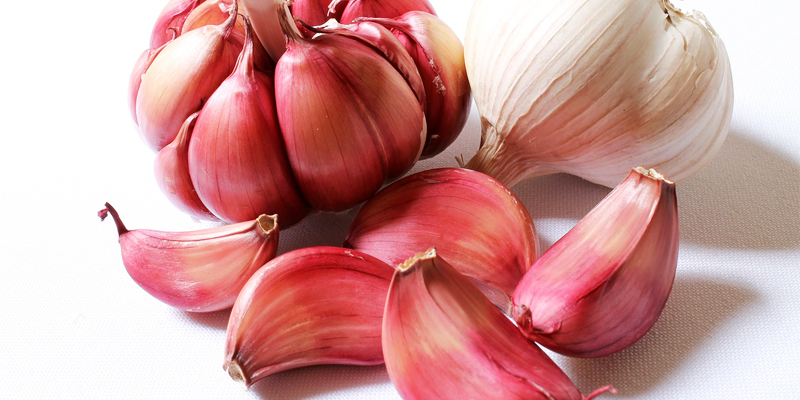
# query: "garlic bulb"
[[590, 88], [382, 8]]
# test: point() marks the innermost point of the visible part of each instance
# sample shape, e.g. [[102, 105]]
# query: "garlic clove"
[[181, 78], [316, 12], [482, 229], [263, 15], [384, 41], [237, 160], [313, 306], [172, 174], [139, 68], [442, 339], [590, 88], [212, 12], [350, 121], [604, 284], [383, 9], [170, 20], [197, 271], [439, 57]]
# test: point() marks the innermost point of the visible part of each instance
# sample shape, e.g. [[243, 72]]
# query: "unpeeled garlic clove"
[[386, 43], [212, 12], [196, 271], [604, 284], [482, 229], [318, 305], [139, 68], [170, 20], [382, 9], [237, 160], [182, 77], [442, 339], [350, 121], [439, 57], [172, 174], [317, 12]]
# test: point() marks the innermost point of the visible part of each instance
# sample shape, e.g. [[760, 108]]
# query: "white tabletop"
[[75, 326]]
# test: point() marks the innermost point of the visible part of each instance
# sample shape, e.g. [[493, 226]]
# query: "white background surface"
[[74, 325]]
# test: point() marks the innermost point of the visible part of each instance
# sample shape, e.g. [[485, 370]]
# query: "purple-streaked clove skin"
[[237, 160], [382, 8], [439, 57], [385, 42], [350, 120], [198, 271], [482, 229], [603, 285], [442, 339], [172, 174], [313, 306], [182, 77]]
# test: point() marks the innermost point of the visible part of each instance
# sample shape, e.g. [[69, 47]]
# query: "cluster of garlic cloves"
[[318, 305], [603, 285], [482, 229], [282, 138], [197, 271], [442, 339]]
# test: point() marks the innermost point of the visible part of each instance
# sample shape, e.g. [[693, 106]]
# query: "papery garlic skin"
[[350, 121], [313, 306], [603, 285], [182, 77], [135, 81], [173, 178], [317, 12], [439, 57], [442, 339], [590, 88], [236, 157], [201, 270], [482, 229]]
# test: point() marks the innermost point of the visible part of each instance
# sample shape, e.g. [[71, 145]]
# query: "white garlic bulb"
[[595, 87]]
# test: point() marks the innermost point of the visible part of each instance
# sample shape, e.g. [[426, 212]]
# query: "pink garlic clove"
[[477, 223], [197, 271], [172, 174], [318, 305], [237, 159], [439, 57], [442, 339], [350, 121], [604, 284], [181, 78]]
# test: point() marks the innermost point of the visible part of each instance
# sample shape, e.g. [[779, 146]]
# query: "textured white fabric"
[[75, 326]]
